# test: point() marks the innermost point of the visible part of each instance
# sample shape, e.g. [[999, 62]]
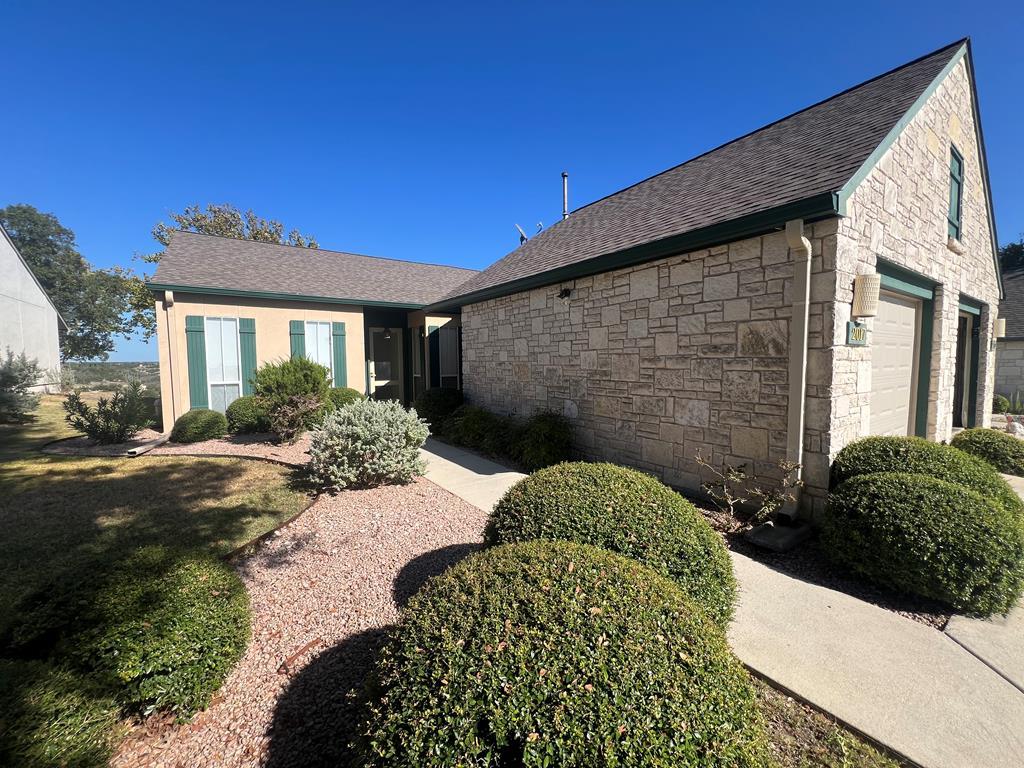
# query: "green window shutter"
[[247, 345], [195, 346], [338, 353], [297, 330], [956, 191], [434, 345]]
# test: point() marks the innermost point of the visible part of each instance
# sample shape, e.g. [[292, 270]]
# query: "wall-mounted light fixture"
[[565, 293], [865, 295], [1000, 327]]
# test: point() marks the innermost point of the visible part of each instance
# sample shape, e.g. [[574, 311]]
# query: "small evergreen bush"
[[367, 443], [926, 536], [339, 397], [115, 419], [198, 425], [481, 430], [624, 511], [1000, 449], [50, 716], [545, 440], [916, 455], [163, 630], [437, 404], [17, 375], [557, 654], [293, 392], [1000, 404], [247, 415]]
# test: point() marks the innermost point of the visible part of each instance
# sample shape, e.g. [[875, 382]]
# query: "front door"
[[385, 364], [894, 357]]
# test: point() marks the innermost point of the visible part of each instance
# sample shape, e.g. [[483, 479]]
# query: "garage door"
[[894, 356]]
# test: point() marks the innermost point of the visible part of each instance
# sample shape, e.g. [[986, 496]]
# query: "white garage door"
[[894, 355]]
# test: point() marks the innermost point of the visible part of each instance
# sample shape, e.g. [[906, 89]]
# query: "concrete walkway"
[[925, 694]]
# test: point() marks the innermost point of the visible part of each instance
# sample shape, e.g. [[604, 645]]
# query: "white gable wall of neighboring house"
[[28, 320]]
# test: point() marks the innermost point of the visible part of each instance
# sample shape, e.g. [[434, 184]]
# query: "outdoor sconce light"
[[1000, 327], [865, 295], [565, 293]]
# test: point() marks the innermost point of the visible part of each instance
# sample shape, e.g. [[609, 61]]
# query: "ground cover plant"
[[198, 425], [624, 511], [113, 419], [367, 443], [555, 653], [1000, 449], [919, 534]]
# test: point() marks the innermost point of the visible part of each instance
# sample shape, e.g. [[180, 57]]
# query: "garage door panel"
[[894, 354]]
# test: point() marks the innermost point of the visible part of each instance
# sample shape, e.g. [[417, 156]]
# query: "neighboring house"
[[669, 318], [1010, 348], [29, 322], [706, 309], [236, 304]]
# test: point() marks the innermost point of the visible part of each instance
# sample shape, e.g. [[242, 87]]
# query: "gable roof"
[[10, 241], [1012, 306], [195, 263], [802, 166]]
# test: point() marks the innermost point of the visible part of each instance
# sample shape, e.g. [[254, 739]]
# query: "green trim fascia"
[[247, 347], [902, 286], [195, 350], [924, 367], [890, 138], [434, 346], [279, 296], [296, 338], [969, 307], [338, 352], [810, 209], [972, 410], [903, 280]]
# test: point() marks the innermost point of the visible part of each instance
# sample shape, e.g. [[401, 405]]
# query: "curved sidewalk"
[[908, 686]]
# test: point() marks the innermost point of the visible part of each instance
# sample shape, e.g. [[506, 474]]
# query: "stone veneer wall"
[[899, 213], [656, 362], [1010, 367]]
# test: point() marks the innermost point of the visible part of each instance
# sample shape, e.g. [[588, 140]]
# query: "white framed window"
[[223, 362], [449, 354], [318, 345]]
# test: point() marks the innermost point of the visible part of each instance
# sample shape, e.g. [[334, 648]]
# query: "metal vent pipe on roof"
[[565, 195]]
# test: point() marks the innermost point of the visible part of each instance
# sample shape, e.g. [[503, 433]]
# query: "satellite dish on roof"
[[522, 235]]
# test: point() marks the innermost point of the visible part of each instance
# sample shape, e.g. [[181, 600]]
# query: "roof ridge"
[[325, 250], [834, 96]]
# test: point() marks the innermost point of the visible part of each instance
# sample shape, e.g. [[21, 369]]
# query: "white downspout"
[[800, 247]]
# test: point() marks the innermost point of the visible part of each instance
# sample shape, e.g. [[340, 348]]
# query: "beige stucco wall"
[[272, 337], [899, 213]]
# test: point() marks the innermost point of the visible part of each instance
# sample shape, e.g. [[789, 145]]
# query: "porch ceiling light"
[[865, 295]]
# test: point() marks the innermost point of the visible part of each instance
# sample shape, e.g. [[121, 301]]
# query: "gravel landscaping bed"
[[85, 446], [323, 590], [261, 446]]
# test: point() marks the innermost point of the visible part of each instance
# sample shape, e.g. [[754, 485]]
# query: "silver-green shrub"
[[367, 443]]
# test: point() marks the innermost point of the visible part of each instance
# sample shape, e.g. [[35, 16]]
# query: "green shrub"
[[198, 425], [17, 374], [1000, 449], [624, 511], [929, 537], [1000, 404], [339, 397], [481, 430], [164, 630], [558, 654], [437, 404], [293, 392], [916, 455], [545, 440], [53, 717], [367, 443], [115, 419], [247, 415]]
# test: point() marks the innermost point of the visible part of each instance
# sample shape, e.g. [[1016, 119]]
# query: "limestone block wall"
[[1010, 367], [899, 213], [656, 362]]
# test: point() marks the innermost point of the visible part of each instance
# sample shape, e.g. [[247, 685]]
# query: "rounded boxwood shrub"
[[247, 415], [367, 443], [554, 653], [917, 455], [50, 716], [339, 397], [200, 424], [163, 630], [1000, 449], [437, 404], [919, 534], [1000, 404], [624, 511]]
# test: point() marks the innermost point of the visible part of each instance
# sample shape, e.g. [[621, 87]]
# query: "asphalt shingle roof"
[[1012, 305], [812, 152], [224, 263]]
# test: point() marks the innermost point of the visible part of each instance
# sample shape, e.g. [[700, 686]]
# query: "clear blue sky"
[[425, 131]]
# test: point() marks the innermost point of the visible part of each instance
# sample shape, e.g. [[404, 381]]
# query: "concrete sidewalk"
[[903, 684]]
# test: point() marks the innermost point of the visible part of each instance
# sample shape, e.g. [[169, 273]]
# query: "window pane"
[[229, 345], [217, 400], [214, 353], [450, 352], [231, 393], [324, 338], [311, 341]]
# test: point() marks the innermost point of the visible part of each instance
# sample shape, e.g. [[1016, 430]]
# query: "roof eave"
[[810, 209], [202, 289]]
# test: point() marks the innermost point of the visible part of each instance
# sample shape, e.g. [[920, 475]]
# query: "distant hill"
[[108, 376]]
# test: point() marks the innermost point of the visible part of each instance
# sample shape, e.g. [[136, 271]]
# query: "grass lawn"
[[67, 512]]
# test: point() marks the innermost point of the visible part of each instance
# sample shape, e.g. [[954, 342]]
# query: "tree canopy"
[[1011, 255]]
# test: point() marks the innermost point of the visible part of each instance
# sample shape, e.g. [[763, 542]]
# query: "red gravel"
[[322, 589], [262, 446]]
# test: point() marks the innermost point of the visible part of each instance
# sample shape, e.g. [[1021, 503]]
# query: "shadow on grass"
[[319, 714]]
